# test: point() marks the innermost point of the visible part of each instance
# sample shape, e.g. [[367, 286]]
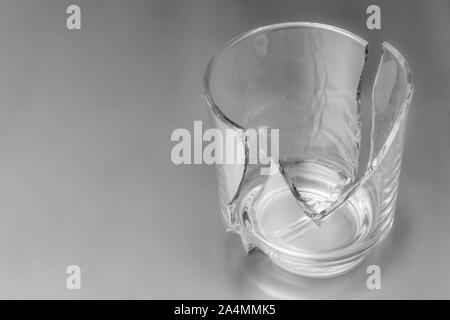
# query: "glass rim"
[[264, 29], [290, 25]]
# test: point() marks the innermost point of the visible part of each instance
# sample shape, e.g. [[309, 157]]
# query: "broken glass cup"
[[317, 143]]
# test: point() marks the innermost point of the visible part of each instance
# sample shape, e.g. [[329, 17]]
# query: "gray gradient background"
[[85, 170]]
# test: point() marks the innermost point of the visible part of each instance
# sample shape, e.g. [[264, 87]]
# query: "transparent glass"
[[330, 197]]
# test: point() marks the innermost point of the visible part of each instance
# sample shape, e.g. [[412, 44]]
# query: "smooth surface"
[[85, 170]]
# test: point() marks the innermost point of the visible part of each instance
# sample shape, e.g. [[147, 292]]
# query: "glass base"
[[278, 226]]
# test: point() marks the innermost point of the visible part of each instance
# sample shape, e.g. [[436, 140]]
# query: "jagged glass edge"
[[362, 247], [280, 26], [373, 165]]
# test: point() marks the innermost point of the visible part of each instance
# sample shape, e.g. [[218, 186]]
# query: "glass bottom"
[[296, 243]]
